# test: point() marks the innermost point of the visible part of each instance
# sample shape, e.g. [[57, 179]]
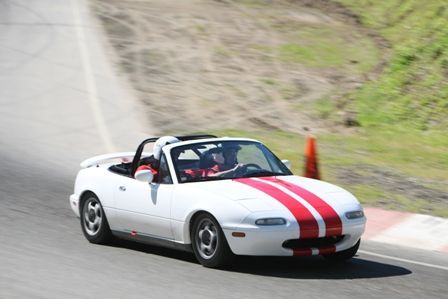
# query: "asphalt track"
[[60, 102]]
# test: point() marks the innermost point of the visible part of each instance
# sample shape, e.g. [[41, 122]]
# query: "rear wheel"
[[209, 243], [344, 254], [93, 221]]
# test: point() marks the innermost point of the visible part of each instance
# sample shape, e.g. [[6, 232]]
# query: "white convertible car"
[[257, 208]]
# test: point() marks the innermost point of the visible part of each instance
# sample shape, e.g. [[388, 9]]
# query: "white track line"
[[403, 260], [90, 79]]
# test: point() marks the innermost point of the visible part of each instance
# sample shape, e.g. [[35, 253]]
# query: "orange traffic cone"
[[311, 169]]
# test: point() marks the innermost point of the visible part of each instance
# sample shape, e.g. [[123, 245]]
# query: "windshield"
[[225, 160]]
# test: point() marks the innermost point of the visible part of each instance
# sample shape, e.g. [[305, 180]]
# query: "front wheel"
[[343, 255], [93, 221], [209, 243]]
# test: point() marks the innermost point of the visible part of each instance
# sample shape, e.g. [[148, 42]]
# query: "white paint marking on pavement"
[[403, 260], [90, 80]]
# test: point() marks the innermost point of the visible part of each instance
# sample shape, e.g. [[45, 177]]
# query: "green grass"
[[268, 81], [417, 157], [329, 46], [413, 91], [222, 51], [312, 55], [373, 196], [324, 108], [410, 152], [321, 47], [200, 29]]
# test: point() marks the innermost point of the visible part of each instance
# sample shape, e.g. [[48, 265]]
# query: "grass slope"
[[413, 91]]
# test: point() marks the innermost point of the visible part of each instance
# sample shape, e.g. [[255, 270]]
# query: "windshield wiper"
[[204, 179], [263, 173]]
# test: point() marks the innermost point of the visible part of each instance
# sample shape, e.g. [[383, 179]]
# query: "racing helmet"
[[161, 142]]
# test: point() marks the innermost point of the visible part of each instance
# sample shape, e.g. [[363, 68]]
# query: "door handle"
[[122, 188]]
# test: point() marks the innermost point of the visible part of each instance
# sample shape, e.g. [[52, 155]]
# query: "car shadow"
[[153, 249], [314, 267]]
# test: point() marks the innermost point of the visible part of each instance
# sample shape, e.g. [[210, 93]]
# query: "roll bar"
[[139, 151]]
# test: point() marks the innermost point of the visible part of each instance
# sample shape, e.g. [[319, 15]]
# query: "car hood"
[[255, 199], [234, 190]]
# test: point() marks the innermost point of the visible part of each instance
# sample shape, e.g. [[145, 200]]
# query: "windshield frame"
[[270, 157]]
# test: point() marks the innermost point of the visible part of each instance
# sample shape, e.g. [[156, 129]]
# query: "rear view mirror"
[[287, 163]]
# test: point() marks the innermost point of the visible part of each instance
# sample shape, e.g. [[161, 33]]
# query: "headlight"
[[270, 221], [354, 214]]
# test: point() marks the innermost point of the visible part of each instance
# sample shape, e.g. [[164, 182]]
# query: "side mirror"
[[145, 176], [287, 163]]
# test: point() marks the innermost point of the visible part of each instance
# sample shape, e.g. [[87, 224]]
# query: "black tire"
[[94, 223], [209, 243], [344, 255]]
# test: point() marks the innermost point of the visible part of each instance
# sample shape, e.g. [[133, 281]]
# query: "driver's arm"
[[229, 171]]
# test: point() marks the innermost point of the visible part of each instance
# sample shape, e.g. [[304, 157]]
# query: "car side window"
[[164, 176]]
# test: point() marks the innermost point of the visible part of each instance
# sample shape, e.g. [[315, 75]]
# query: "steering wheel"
[[246, 168]]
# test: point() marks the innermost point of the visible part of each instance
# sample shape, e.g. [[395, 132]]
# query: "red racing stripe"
[[333, 223], [308, 251], [307, 223], [303, 252], [327, 250]]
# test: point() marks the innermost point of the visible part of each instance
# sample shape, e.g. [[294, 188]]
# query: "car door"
[[144, 208]]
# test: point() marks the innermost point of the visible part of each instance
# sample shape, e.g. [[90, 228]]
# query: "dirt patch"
[[204, 65], [390, 182], [341, 12]]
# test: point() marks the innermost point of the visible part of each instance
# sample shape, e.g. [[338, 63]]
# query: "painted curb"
[[406, 229]]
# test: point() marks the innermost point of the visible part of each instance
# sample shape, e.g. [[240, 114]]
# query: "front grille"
[[312, 243]]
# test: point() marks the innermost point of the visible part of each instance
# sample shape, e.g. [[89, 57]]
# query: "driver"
[[230, 153], [225, 162], [219, 161]]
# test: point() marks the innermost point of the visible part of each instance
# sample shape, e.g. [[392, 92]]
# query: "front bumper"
[[74, 204], [269, 242]]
